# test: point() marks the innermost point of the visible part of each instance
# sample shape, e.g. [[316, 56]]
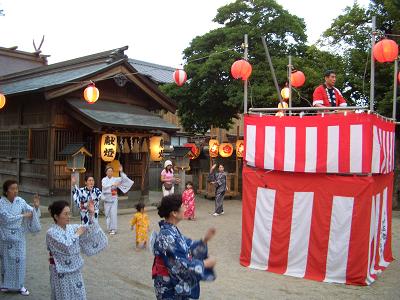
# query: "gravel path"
[[121, 273]]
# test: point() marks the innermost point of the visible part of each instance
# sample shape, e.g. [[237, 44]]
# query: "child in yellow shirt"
[[141, 221]]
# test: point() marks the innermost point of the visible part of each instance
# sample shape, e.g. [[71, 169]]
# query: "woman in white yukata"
[[65, 242], [110, 185], [16, 218]]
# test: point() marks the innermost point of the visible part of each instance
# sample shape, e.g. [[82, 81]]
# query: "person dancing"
[[65, 242], [179, 263], [110, 186], [16, 218]]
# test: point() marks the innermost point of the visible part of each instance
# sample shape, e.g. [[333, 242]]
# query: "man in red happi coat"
[[326, 94]]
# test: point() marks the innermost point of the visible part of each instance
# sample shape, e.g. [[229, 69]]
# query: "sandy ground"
[[121, 273]]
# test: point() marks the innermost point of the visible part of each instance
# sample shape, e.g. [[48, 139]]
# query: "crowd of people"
[[179, 263]]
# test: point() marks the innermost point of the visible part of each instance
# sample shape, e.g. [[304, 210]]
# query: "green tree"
[[352, 32], [212, 97], [350, 37]]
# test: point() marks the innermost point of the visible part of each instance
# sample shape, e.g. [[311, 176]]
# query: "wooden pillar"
[[29, 154], [97, 171], [51, 141], [145, 178], [18, 170], [236, 184]]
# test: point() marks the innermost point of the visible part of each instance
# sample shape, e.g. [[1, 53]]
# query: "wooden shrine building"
[[45, 111]]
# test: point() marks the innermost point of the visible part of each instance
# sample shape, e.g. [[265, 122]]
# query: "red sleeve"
[[318, 97]]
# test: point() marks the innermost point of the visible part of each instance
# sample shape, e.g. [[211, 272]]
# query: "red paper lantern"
[[195, 151], [241, 69], [239, 148], [297, 78], [91, 93], [225, 149], [213, 146], [179, 77], [386, 51], [2, 101]]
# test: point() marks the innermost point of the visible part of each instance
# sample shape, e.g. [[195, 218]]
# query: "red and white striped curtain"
[[303, 225], [337, 143]]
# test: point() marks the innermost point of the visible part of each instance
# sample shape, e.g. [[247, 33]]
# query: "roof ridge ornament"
[[120, 79], [117, 54]]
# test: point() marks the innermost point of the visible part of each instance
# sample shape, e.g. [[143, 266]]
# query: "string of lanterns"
[[386, 50], [225, 149]]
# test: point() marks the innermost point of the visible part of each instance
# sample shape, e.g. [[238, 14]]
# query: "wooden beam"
[[58, 92], [89, 123], [147, 90]]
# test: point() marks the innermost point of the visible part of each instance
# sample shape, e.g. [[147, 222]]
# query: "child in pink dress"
[[188, 200]]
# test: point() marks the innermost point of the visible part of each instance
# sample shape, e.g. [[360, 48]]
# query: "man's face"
[[330, 80]]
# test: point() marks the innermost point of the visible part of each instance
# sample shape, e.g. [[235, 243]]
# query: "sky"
[[156, 31]]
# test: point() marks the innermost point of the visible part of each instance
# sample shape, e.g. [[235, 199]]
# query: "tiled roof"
[[43, 80], [114, 114], [160, 74]]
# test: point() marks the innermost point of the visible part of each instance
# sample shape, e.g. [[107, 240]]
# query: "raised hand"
[[91, 207], [36, 200], [209, 234], [73, 180], [81, 230], [210, 262]]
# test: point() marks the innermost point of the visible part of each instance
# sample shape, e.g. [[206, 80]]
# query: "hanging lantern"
[[213, 146], [179, 77], [195, 151], [386, 51], [91, 94], [285, 93], [156, 148], [297, 78], [241, 69], [2, 101], [108, 147], [239, 148], [225, 149]]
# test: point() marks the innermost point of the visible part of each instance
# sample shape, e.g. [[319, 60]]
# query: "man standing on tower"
[[326, 94]]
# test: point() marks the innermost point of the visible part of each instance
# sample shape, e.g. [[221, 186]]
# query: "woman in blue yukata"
[[65, 242], [179, 263], [16, 218], [85, 195]]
